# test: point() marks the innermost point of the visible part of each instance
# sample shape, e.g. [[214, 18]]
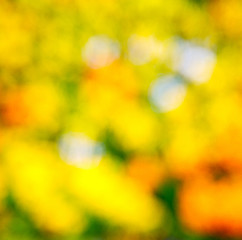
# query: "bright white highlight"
[[77, 149], [100, 51], [142, 50], [167, 93], [194, 62]]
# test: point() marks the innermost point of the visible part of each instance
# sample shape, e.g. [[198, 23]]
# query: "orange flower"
[[32, 104], [147, 172], [115, 83], [14, 111], [210, 202]]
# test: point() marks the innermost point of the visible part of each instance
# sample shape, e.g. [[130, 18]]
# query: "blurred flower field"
[[120, 120]]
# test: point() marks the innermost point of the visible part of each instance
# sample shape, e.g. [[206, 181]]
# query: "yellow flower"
[[227, 16], [35, 180], [16, 40], [186, 150], [108, 88], [108, 193], [135, 127]]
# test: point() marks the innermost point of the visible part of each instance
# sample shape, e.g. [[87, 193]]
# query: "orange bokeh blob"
[[147, 172]]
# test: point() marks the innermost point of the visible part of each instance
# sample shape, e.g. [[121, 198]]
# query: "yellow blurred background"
[[120, 120]]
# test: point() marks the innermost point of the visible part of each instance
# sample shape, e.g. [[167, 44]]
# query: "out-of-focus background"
[[120, 119]]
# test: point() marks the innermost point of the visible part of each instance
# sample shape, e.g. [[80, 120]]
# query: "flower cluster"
[[120, 119]]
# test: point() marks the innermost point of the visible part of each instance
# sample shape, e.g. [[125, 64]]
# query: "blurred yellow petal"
[[111, 195]]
